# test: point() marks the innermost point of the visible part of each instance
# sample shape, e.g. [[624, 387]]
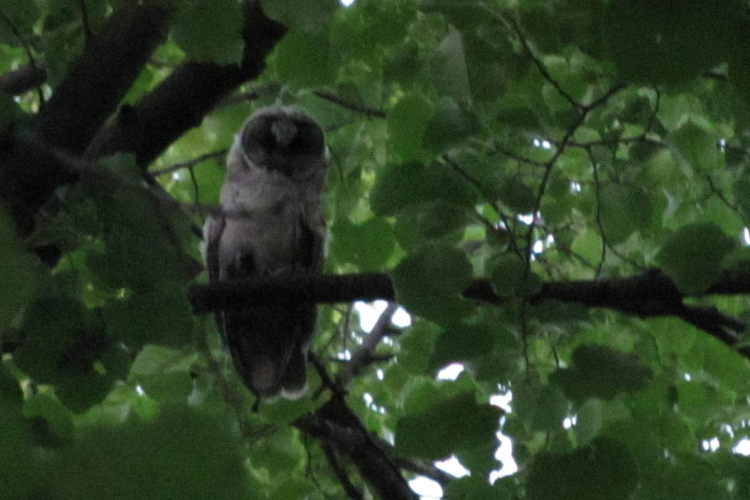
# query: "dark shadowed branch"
[[181, 101], [188, 164], [23, 79], [336, 426], [650, 294], [94, 87]]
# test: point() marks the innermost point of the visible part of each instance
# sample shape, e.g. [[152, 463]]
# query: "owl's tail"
[[269, 349]]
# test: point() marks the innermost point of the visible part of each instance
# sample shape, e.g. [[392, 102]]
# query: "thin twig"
[[338, 470], [85, 19], [189, 163], [365, 355], [518, 158], [328, 382], [537, 205], [27, 49], [425, 469], [542, 69], [357, 108], [253, 94], [489, 201], [598, 214]]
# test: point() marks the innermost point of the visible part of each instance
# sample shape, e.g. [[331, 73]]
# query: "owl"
[[276, 174]]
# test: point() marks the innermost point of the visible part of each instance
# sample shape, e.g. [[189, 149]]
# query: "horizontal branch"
[[23, 79], [323, 288], [650, 294]]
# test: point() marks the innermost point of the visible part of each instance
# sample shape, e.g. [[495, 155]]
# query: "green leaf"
[[300, 14], [471, 488], [541, 408], [742, 195], [624, 210], [603, 470], [698, 147], [462, 342], [451, 425], [9, 110], [10, 390], [588, 421], [417, 344], [508, 277], [398, 186], [430, 283], [303, 60], [158, 317], [588, 245], [517, 196], [670, 42], [430, 221], [19, 455], [294, 489], [550, 409], [692, 256], [285, 411], [164, 374], [66, 346], [18, 19], [58, 423], [53, 325], [601, 372], [450, 124], [407, 122], [279, 452], [21, 275], [368, 245], [209, 30], [150, 460], [680, 483], [452, 77], [144, 243]]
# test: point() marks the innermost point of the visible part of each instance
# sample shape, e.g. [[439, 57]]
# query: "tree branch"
[[23, 79], [651, 294], [357, 108], [337, 426], [351, 491], [365, 355], [181, 101], [80, 105], [94, 86], [188, 164]]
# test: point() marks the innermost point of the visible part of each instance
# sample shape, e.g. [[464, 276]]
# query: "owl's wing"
[[212, 231], [269, 343]]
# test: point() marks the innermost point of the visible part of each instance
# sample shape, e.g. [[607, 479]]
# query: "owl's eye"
[[259, 134], [309, 139]]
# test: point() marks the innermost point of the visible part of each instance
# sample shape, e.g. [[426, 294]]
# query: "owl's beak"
[[284, 131]]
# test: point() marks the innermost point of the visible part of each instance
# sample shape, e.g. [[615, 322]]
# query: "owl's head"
[[283, 139]]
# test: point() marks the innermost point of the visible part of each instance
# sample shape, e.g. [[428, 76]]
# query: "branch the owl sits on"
[[276, 173]]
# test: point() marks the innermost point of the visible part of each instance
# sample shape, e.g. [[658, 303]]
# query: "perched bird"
[[276, 173]]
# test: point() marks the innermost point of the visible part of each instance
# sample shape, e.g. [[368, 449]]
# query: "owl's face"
[[283, 139]]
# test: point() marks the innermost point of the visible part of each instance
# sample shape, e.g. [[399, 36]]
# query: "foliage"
[[561, 149]]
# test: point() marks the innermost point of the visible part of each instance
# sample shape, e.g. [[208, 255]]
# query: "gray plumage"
[[276, 173]]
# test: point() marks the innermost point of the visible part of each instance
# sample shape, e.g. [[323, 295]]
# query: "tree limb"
[[181, 101], [23, 79], [94, 86], [336, 425], [650, 294]]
